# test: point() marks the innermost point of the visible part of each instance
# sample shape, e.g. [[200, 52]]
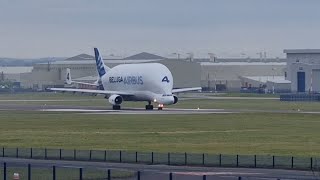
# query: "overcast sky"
[[44, 28]]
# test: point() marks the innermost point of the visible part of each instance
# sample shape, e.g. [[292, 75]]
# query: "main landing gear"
[[116, 107], [149, 106]]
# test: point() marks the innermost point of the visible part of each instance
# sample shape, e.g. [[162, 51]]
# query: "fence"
[[300, 97], [190, 159], [30, 172]]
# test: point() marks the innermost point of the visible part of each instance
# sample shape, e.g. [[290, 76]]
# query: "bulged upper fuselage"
[[148, 81]]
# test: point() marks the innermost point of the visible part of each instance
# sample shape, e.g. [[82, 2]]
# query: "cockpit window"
[[166, 95]]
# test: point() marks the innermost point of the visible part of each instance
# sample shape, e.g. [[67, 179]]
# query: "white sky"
[[44, 28]]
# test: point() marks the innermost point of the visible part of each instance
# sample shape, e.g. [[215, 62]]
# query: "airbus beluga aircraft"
[[150, 82]]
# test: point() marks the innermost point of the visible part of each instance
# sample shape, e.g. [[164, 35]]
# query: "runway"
[[158, 172], [107, 110]]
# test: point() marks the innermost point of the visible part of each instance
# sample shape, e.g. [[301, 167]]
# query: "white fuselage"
[[148, 82]]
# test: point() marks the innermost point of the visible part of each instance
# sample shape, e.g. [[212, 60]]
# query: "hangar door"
[[301, 78], [316, 80]]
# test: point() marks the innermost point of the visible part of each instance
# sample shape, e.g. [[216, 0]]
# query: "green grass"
[[250, 133]]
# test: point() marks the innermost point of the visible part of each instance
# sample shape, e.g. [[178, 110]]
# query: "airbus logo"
[[128, 80], [165, 79]]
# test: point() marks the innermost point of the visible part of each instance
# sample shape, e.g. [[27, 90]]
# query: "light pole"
[[190, 56], [260, 54], [273, 68], [212, 57], [178, 55]]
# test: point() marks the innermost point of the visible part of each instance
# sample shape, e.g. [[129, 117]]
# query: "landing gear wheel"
[[116, 107], [149, 107], [159, 108]]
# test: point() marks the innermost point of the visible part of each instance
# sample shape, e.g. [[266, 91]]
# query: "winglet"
[[68, 77], [99, 62]]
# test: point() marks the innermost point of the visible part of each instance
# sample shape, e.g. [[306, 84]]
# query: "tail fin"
[[68, 77], [101, 67]]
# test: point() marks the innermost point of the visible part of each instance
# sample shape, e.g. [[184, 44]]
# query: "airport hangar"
[[303, 70], [299, 72], [222, 74]]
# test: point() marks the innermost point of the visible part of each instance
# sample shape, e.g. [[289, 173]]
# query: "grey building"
[[43, 75], [227, 75], [303, 69], [224, 74]]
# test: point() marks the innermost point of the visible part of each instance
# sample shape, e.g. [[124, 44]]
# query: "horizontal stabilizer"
[[90, 91]]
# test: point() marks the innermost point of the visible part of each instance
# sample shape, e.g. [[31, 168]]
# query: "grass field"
[[250, 133]]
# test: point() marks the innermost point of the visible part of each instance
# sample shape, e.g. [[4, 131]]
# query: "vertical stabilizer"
[[101, 67]]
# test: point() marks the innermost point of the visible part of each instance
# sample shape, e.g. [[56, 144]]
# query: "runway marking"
[[310, 112], [155, 112], [140, 111], [195, 109], [44, 100], [76, 110]]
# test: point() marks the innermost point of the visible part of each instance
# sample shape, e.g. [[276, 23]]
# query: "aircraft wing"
[[90, 91], [186, 89]]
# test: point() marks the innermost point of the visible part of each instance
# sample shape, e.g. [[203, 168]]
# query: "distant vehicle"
[[150, 82]]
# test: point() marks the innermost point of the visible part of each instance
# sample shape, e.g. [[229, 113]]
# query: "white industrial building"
[[43, 75], [303, 69], [222, 74], [268, 84], [229, 75], [299, 72], [13, 74]]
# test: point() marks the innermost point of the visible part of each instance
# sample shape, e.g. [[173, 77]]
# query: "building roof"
[[243, 63], [140, 56], [265, 79], [302, 51], [80, 57], [144, 56], [93, 62]]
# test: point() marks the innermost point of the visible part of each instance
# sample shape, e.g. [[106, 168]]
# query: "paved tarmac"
[[108, 110], [180, 172]]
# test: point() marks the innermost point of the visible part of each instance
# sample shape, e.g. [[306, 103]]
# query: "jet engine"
[[115, 99], [175, 99]]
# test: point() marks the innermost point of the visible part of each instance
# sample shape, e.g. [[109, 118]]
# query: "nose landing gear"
[[160, 107], [149, 106]]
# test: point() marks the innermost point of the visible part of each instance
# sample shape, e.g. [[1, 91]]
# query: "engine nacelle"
[[175, 99], [115, 99]]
